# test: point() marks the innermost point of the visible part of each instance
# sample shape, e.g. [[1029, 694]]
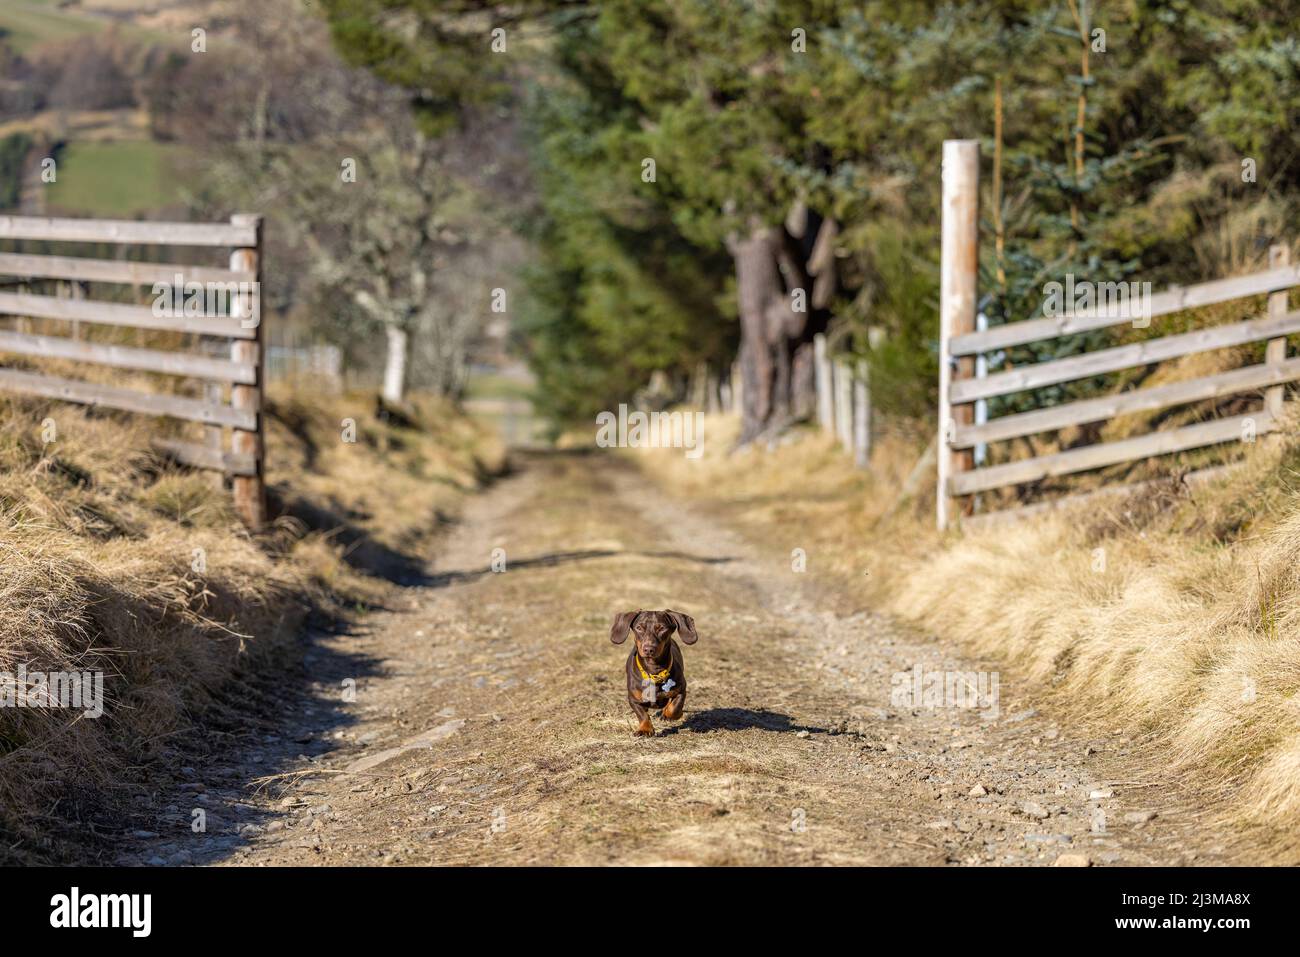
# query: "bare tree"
[[377, 234], [367, 206]]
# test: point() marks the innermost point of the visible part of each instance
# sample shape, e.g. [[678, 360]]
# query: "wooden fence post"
[[958, 268], [822, 379], [862, 417], [250, 490], [1275, 351], [844, 405], [737, 390]]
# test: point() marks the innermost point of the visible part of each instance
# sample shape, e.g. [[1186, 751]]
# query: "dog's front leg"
[[675, 706], [644, 728]]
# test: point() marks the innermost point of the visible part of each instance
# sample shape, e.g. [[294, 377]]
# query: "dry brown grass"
[[1175, 614], [98, 548]]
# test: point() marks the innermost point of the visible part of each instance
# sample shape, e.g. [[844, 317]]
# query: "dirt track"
[[489, 723]]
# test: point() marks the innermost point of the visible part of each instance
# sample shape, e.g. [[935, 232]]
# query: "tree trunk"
[[784, 282], [395, 366]]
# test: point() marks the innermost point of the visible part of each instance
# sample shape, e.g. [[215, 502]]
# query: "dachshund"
[[656, 673]]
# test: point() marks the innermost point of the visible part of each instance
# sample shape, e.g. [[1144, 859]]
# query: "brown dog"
[[656, 673]]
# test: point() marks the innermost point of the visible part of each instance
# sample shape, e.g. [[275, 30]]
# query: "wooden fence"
[[843, 401], [960, 343], [234, 327], [320, 365]]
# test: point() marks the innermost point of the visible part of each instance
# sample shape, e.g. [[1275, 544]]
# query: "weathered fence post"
[[862, 417], [843, 404], [699, 386], [822, 379], [249, 490], [1275, 351], [981, 451], [959, 263]]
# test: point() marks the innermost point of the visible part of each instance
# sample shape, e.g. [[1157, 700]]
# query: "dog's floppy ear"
[[618, 632], [685, 626]]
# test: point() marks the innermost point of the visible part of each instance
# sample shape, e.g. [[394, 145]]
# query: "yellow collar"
[[657, 677]]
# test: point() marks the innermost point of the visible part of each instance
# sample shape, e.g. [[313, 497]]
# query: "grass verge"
[[112, 562]]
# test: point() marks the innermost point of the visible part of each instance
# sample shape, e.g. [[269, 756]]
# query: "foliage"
[[1174, 95]]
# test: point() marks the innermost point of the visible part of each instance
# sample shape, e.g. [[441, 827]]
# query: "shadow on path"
[[740, 719], [443, 579]]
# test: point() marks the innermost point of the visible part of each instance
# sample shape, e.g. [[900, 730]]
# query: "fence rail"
[[960, 388], [237, 333], [1162, 304], [242, 232]]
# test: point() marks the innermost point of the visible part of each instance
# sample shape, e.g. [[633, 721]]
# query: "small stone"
[[1072, 860], [1101, 794], [1139, 817], [1034, 810], [978, 791], [155, 861], [144, 835], [801, 734]]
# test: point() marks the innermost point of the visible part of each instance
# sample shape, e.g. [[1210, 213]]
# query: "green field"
[[116, 179], [28, 23]]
